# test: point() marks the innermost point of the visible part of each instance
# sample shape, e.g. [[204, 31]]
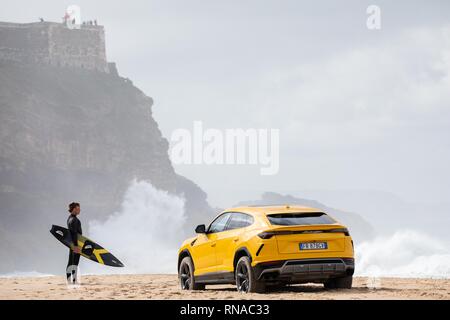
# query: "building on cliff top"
[[54, 44]]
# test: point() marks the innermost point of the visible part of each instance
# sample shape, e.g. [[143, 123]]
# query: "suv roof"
[[272, 209]]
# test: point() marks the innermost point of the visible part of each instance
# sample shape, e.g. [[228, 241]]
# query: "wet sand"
[[157, 286]]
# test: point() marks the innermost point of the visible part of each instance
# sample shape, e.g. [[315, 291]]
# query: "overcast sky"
[[357, 109]]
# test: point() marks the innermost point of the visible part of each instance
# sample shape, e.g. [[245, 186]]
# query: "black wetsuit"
[[74, 226]]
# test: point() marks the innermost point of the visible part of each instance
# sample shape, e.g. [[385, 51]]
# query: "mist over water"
[[145, 234], [148, 230], [406, 253]]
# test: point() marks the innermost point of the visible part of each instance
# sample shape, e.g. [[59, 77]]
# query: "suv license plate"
[[313, 246]]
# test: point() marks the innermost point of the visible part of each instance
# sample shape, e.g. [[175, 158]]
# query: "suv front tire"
[[186, 276]]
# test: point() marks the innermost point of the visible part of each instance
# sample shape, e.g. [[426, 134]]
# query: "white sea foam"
[[25, 274], [406, 253], [145, 234]]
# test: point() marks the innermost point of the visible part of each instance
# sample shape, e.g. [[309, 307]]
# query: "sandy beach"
[[157, 286]]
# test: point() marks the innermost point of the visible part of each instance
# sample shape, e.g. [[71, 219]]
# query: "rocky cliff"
[[72, 134]]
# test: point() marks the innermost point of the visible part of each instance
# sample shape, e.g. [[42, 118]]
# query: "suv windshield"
[[292, 219]]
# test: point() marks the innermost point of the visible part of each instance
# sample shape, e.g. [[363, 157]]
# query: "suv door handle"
[[213, 244], [236, 239]]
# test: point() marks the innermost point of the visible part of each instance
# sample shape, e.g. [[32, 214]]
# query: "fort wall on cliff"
[[55, 44]]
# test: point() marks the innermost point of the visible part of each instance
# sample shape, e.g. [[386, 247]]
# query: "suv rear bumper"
[[305, 269]]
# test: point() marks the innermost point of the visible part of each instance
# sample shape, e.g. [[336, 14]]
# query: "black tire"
[[339, 283], [186, 276], [245, 277]]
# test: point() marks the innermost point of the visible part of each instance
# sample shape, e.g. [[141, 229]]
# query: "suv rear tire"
[[339, 283], [246, 279], [186, 276]]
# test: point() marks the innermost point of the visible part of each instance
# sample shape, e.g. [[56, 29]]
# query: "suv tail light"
[[270, 234], [342, 230], [266, 235]]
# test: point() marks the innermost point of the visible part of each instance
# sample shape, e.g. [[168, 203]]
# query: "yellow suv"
[[253, 247]]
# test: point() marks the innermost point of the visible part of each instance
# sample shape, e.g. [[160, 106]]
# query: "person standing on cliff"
[[74, 226]]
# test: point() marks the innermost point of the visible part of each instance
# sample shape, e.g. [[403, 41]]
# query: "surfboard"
[[89, 249]]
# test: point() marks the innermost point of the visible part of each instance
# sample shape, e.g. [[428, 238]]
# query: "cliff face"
[[69, 134]]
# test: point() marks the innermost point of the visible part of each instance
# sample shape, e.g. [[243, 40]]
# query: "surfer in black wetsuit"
[[74, 226]]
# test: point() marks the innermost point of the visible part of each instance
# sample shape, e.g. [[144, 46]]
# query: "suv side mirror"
[[201, 228]]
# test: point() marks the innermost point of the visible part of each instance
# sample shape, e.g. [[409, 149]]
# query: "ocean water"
[[404, 253], [25, 274], [146, 232]]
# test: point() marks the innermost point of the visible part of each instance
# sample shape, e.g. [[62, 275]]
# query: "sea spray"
[[406, 253], [148, 230], [145, 234]]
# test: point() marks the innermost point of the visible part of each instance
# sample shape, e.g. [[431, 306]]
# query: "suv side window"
[[219, 224], [239, 220]]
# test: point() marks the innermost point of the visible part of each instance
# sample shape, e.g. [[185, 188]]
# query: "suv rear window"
[[292, 219]]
